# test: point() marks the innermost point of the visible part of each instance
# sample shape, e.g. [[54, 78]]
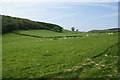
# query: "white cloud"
[[59, 0], [62, 16], [63, 7], [100, 4], [109, 15], [107, 6]]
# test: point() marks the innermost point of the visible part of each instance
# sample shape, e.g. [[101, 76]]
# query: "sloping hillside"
[[105, 30], [31, 57], [13, 23]]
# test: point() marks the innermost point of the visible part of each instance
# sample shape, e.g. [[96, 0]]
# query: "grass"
[[47, 33], [30, 57], [104, 66]]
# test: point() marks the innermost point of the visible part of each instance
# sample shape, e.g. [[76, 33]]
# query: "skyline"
[[84, 16]]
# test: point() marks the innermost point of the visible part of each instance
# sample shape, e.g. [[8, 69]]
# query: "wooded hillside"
[[9, 24]]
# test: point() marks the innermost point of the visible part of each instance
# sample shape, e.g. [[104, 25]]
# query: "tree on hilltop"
[[73, 28]]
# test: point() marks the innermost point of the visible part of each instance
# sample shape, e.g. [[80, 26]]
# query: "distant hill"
[[9, 24], [106, 30]]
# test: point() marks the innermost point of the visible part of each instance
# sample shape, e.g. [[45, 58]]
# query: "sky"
[[84, 16]]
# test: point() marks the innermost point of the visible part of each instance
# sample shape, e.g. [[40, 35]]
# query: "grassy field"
[[31, 57], [47, 33]]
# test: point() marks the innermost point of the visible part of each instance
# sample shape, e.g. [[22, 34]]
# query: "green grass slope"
[[103, 66], [31, 57], [47, 33]]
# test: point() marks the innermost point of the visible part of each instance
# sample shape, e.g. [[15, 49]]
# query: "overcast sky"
[[81, 15]]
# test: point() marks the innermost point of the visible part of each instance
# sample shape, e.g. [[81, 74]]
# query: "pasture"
[[67, 57], [47, 33]]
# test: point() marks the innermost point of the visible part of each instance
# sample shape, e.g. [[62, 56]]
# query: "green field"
[[47, 33], [92, 56]]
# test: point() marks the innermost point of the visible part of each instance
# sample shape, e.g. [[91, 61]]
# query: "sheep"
[[111, 33]]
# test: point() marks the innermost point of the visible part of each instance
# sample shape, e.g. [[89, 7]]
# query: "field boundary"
[[45, 37], [105, 50]]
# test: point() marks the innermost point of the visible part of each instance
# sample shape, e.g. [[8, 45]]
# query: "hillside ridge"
[[10, 24], [106, 30]]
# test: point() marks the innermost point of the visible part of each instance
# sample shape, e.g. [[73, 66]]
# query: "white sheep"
[[106, 55], [111, 33]]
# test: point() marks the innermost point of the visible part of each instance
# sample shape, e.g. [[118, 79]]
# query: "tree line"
[[9, 24]]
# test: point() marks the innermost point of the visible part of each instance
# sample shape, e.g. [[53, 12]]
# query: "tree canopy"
[[73, 28], [9, 24]]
